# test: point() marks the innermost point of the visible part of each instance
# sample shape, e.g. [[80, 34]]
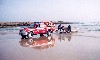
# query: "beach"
[[81, 45]]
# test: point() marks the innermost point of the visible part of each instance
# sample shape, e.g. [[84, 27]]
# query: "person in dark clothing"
[[62, 28], [69, 28], [59, 27]]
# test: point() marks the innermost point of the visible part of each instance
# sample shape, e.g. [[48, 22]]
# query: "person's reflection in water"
[[59, 37], [68, 36], [63, 36]]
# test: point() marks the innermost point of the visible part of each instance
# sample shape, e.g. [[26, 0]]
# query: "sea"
[[86, 27], [81, 45]]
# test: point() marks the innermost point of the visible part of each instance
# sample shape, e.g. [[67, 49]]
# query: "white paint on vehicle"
[[31, 29]]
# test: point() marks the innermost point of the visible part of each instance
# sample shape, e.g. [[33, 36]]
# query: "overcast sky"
[[55, 10]]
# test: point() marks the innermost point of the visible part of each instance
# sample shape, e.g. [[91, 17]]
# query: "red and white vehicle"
[[38, 28]]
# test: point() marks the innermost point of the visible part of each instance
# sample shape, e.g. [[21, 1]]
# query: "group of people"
[[68, 29]]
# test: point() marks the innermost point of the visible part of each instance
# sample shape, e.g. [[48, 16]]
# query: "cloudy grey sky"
[[55, 10]]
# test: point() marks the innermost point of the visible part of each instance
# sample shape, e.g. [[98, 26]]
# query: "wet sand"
[[76, 46]]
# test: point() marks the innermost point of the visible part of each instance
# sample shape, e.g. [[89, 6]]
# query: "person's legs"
[[70, 30], [58, 28], [63, 30]]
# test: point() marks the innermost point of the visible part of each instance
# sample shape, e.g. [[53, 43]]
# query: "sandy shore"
[[75, 46]]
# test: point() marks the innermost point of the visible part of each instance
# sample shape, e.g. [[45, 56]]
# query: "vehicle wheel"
[[49, 33], [23, 36], [41, 35], [30, 34]]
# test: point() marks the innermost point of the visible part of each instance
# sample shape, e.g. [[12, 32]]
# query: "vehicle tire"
[[49, 33], [23, 36], [41, 35], [30, 34]]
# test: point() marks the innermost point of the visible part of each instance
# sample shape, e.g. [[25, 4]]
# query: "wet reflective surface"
[[43, 42], [72, 46]]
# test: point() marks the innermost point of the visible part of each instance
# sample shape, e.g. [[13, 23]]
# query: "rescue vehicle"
[[37, 28]]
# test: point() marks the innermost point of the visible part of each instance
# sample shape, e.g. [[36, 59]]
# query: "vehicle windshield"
[[35, 25], [39, 24], [31, 26]]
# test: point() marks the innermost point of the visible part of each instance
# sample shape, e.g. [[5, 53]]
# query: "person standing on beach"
[[59, 27], [69, 28]]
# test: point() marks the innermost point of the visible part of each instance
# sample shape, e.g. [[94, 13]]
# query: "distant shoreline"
[[18, 24]]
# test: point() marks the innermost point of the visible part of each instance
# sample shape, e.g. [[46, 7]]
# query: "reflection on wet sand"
[[56, 47], [42, 42], [64, 36]]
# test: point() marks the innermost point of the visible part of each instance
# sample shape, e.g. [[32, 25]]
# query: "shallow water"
[[65, 47], [83, 45]]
